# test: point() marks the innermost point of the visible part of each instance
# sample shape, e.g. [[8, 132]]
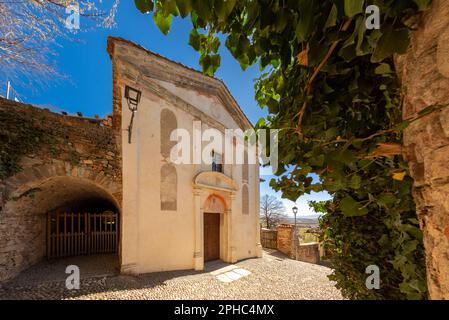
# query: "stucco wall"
[[155, 239]]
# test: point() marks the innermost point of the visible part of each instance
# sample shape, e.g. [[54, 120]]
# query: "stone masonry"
[[288, 243], [49, 161], [424, 72], [284, 238]]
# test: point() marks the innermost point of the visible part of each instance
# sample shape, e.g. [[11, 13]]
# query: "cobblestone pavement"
[[271, 277]]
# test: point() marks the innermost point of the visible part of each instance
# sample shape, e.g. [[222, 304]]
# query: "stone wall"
[[48, 162], [424, 72], [284, 238], [288, 243], [308, 252]]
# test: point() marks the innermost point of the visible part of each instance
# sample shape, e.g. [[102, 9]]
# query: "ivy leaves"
[[184, 7], [145, 6], [353, 7], [329, 85], [273, 33], [223, 9], [306, 15], [162, 16], [163, 21], [352, 208], [394, 41], [208, 46]]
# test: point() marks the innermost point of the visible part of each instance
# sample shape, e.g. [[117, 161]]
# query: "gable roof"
[[159, 67]]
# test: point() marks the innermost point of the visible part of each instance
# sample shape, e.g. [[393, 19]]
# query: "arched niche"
[[245, 171], [245, 199], [215, 204], [168, 124], [169, 188]]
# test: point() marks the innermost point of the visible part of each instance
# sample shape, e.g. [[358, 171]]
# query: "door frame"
[[208, 185], [227, 250]]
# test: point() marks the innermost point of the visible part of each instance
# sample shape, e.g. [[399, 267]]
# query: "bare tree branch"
[[29, 30], [272, 211]]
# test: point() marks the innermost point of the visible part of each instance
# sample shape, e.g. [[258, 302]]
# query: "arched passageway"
[[57, 217]]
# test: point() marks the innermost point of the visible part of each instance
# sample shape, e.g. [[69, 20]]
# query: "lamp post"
[[295, 211]]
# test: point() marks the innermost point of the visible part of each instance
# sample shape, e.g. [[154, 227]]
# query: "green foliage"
[[390, 239], [318, 206], [307, 235], [17, 138], [329, 85]]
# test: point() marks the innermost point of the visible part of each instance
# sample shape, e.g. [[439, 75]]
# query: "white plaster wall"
[[155, 240], [210, 105]]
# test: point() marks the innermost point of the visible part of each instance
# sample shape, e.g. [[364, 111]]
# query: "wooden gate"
[[72, 234], [268, 238]]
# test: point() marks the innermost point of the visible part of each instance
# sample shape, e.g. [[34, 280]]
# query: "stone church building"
[[92, 186]]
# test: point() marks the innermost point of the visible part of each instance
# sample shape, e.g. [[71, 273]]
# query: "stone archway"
[[36, 191]]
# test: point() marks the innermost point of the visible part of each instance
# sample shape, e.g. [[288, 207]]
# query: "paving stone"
[[272, 277]]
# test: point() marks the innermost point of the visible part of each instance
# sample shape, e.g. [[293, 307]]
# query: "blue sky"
[[88, 87]]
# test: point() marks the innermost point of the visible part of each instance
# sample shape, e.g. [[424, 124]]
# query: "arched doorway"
[[214, 193], [85, 220], [37, 212], [214, 210]]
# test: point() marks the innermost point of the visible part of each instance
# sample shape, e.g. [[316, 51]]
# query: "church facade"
[[179, 214]]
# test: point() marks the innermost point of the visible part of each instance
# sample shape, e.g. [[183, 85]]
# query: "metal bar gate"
[[72, 234]]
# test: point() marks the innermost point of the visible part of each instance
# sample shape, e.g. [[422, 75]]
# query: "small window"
[[217, 162]]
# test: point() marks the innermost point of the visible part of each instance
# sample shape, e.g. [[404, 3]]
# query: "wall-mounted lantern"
[[133, 98]]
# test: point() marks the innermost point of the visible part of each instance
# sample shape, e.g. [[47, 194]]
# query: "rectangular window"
[[217, 162]]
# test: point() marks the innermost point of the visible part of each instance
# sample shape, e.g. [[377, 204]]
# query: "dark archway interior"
[[40, 207], [65, 194], [87, 203], [42, 217]]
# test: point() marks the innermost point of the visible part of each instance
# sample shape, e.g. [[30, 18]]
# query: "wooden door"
[[211, 236]]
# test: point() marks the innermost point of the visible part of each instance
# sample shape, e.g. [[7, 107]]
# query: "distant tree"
[[29, 29], [272, 211]]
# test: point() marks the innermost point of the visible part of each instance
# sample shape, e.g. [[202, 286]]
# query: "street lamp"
[[133, 98], [295, 211]]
